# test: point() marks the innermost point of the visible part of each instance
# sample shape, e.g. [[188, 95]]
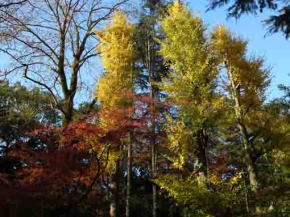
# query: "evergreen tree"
[[151, 66]]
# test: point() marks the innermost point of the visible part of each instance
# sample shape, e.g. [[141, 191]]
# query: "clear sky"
[[274, 48]]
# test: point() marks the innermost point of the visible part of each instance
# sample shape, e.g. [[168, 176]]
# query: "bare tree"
[[9, 3], [49, 41]]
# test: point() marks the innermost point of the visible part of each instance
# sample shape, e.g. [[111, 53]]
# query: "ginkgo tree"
[[213, 79], [190, 86], [247, 82], [180, 108], [115, 92], [197, 103], [179, 26], [258, 132]]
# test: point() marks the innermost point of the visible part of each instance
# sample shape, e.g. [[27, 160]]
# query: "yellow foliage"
[[191, 80], [179, 142], [115, 88], [186, 50], [116, 47], [247, 77]]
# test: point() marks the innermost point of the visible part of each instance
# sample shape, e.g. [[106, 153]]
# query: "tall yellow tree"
[[197, 106], [190, 86], [115, 90], [116, 47], [247, 81]]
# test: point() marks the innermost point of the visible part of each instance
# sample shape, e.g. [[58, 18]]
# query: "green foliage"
[[223, 198], [32, 104], [21, 111], [222, 148]]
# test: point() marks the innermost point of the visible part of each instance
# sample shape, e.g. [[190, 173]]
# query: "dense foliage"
[[180, 127]]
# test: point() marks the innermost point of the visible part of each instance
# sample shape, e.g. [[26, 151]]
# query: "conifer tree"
[[152, 69]]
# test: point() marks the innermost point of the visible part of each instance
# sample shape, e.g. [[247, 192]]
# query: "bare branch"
[[25, 74], [9, 4], [55, 39]]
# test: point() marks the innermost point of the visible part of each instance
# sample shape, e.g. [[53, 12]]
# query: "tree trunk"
[[250, 165], [202, 141], [113, 207], [129, 177], [67, 111], [114, 192], [68, 115], [154, 189], [150, 67], [171, 209]]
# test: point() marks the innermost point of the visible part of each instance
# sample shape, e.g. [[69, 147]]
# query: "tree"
[[53, 171], [35, 154], [247, 82], [9, 3], [151, 68], [22, 110], [180, 125], [50, 41], [276, 23], [203, 148], [115, 92], [196, 107], [190, 85]]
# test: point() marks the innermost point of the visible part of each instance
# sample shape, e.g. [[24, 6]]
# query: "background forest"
[[179, 123]]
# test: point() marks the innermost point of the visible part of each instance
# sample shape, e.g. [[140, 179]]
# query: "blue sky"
[[274, 48]]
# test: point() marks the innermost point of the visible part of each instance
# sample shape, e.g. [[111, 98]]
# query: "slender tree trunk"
[[202, 141], [114, 192], [129, 157], [246, 194], [171, 209], [154, 189], [153, 149], [129, 177], [253, 180], [250, 165], [113, 201], [150, 67], [153, 156]]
